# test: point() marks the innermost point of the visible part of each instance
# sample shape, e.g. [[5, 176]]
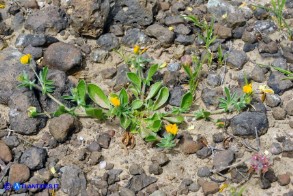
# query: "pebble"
[[135, 169], [223, 159], [273, 100], [279, 113], [5, 153], [284, 179], [289, 108], [276, 149], [18, 173], [218, 137], [236, 59], [204, 153], [104, 140], [160, 158], [34, 158], [210, 188], [204, 172], [155, 168]]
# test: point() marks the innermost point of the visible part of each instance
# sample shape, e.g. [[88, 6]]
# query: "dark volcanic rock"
[[51, 19], [135, 36], [62, 56], [246, 123], [223, 159], [236, 59], [163, 34], [34, 158], [89, 16], [108, 41], [277, 83], [138, 182]]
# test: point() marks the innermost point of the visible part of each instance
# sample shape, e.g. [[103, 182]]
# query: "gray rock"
[[257, 74], [277, 83], [220, 7], [138, 182], [281, 63], [160, 158], [178, 6], [246, 123], [211, 96], [265, 26], [260, 14], [126, 192], [288, 56], [174, 66], [11, 141], [36, 52], [20, 122], [117, 29], [182, 29], [249, 37], [258, 107], [18, 20], [203, 153], [273, 100], [222, 32], [174, 20], [236, 59], [289, 107], [73, 181], [218, 137], [158, 193], [62, 56], [279, 113], [135, 36], [108, 41], [276, 149], [183, 189], [193, 187], [35, 40], [287, 145], [104, 140], [223, 159], [204, 172], [237, 33], [5, 153], [209, 187], [18, 173], [249, 47], [121, 77], [114, 176], [61, 127], [155, 168], [94, 146], [89, 16], [270, 175], [235, 19], [270, 48], [264, 183], [289, 3], [51, 19], [162, 34], [99, 56], [34, 158], [176, 95], [213, 80], [135, 169], [185, 39], [132, 12], [108, 73]]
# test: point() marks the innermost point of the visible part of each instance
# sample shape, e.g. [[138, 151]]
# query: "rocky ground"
[[77, 39]]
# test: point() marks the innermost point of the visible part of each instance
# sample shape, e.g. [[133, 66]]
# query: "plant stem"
[[219, 111]]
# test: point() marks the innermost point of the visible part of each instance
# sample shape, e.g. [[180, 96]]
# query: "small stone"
[[222, 32], [108, 41], [249, 47], [158, 193], [174, 66], [218, 137], [210, 97], [117, 29], [223, 159], [174, 20], [188, 145], [203, 153], [95, 158], [121, 77], [135, 169], [182, 29], [276, 149], [277, 83], [126, 192], [289, 108], [100, 184], [5, 153], [210, 188], [99, 56], [155, 168], [193, 187], [18, 173], [273, 100], [213, 80], [279, 113], [104, 140], [287, 145], [61, 127], [204, 172], [135, 37], [265, 26], [236, 59], [94, 146], [270, 48], [62, 56], [34, 158], [237, 33], [138, 182], [186, 181], [176, 95], [270, 175], [257, 74], [108, 73], [264, 183], [249, 37], [260, 14], [162, 34], [281, 63], [185, 39], [152, 188], [11, 141], [284, 179], [36, 52], [109, 166], [73, 181], [160, 158]]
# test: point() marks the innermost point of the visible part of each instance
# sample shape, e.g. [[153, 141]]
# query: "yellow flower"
[[136, 49], [222, 187], [247, 88], [172, 128], [265, 89], [25, 59], [115, 101], [2, 5]]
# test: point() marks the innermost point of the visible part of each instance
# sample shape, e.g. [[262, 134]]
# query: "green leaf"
[[123, 96], [95, 113], [136, 104], [81, 92], [161, 98], [124, 122], [174, 119], [188, 71], [134, 79], [153, 69], [61, 110], [98, 96], [151, 138], [154, 90], [186, 102], [155, 125]]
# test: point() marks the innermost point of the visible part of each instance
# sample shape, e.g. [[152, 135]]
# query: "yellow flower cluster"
[[247, 89], [172, 128], [115, 101], [26, 59], [136, 49]]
